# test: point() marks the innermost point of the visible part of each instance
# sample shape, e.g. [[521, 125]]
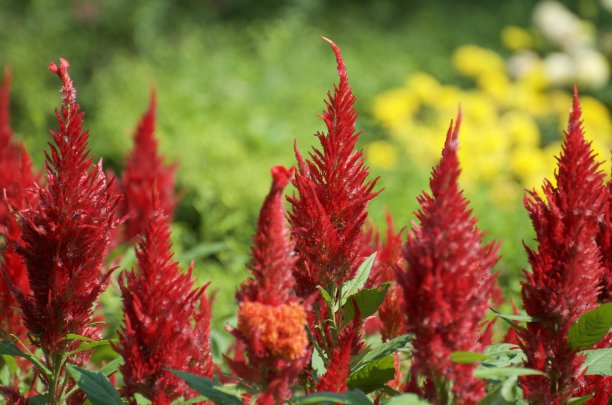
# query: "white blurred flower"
[[522, 63], [607, 4], [592, 68], [560, 68], [559, 25]]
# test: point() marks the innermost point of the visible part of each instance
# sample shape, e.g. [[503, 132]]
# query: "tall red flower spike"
[[271, 319], [566, 269], [388, 258], [448, 283], [143, 168], [65, 235], [16, 182], [167, 320], [329, 210], [604, 241]]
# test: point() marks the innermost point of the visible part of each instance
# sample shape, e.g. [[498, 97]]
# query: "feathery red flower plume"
[[143, 168], [16, 183], [566, 269], [329, 209], [448, 284], [271, 319], [167, 321], [65, 235]]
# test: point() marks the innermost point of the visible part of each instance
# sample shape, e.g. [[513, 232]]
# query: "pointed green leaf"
[[373, 375], [368, 300], [591, 327], [112, 366], [352, 286], [10, 349], [383, 350], [498, 373], [321, 398], [468, 357], [598, 361], [580, 400], [208, 388], [405, 399], [357, 397], [317, 363], [325, 294], [95, 385]]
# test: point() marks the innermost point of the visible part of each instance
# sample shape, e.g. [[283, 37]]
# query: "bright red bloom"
[[448, 284], [271, 319], [167, 320], [16, 183], [66, 234], [388, 258], [143, 168], [604, 241], [329, 210], [566, 269]]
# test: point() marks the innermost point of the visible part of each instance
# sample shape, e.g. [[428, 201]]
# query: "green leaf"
[[503, 355], [405, 399], [9, 348], [39, 399], [112, 366], [321, 398], [591, 327], [368, 300], [95, 385], [357, 397], [88, 345], [208, 388], [498, 373], [373, 375], [383, 350], [317, 363], [352, 286], [511, 318], [325, 294], [468, 357], [580, 400], [72, 336], [598, 361]]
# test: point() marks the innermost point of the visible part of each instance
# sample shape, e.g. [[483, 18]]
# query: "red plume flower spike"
[[16, 181], [448, 283], [143, 168], [329, 209], [167, 321], [271, 319], [64, 237], [566, 269]]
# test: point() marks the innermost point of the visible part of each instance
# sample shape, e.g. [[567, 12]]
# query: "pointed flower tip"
[[339, 60], [68, 90], [281, 176], [452, 135], [7, 76]]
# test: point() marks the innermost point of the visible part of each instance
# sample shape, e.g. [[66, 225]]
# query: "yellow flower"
[[472, 60], [394, 106], [516, 38], [424, 86], [381, 154], [521, 129]]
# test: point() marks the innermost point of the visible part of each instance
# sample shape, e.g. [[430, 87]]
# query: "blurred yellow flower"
[[424, 86], [472, 60], [394, 106], [516, 38], [381, 154]]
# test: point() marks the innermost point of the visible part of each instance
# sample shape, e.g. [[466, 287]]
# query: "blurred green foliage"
[[237, 81]]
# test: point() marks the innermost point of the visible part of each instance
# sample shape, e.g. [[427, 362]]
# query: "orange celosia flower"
[[280, 329]]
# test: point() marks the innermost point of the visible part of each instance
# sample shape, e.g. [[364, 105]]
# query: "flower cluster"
[[167, 321], [566, 269], [448, 283]]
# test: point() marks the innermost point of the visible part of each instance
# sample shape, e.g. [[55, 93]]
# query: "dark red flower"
[[143, 168], [271, 319], [329, 210], [167, 320], [66, 233], [448, 284], [566, 268]]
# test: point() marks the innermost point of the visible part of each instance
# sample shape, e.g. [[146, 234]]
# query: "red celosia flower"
[[448, 283], [16, 184], [566, 268], [388, 258], [167, 321], [329, 209], [604, 241], [271, 319], [65, 235], [143, 168]]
